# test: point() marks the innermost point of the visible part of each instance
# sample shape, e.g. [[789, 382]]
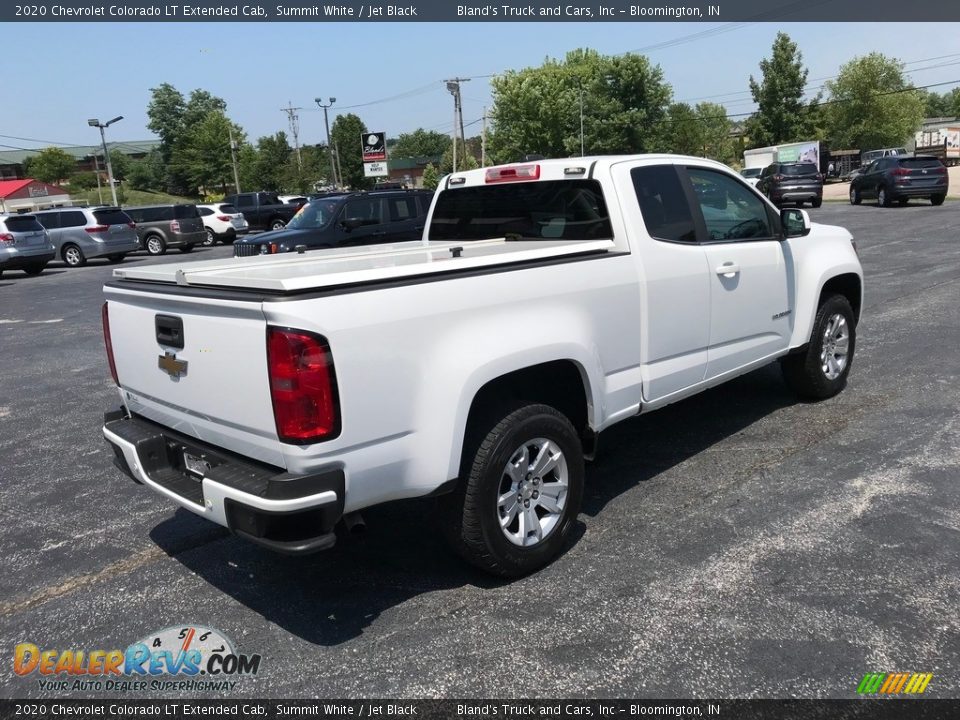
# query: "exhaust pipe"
[[353, 523]]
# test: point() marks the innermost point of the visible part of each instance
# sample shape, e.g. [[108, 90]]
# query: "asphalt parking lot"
[[737, 544]]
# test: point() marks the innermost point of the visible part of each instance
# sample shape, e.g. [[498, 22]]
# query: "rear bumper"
[[908, 191], [796, 193], [176, 240], [20, 259], [287, 513]]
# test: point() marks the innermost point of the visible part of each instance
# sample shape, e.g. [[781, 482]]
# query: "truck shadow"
[[332, 597]]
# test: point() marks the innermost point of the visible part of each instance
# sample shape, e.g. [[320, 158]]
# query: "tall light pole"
[[103, 139], [326, 122]]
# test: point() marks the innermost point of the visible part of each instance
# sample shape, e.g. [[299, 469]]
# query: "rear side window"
[[227, 210], [246, 201], [663, 203], [404, 208], [920, 162], [204, 211], [26, 223], [546, 210], [112, 217], [72, 218], [367, 210], [183, 212]]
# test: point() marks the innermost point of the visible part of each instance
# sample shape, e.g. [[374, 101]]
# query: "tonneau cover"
[[291, 272]]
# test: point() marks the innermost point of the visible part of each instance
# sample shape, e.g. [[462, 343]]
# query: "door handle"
[[728, 269]]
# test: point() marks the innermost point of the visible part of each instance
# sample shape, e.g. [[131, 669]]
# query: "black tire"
[[471, 513], [902, 202], [155, 245], [855, 198], [211, 239], [805, 372], [883, 197], [816, 202], [117, 257], [277, 224], [186, 248], [73, 256], [937, 199], [34, 270], [228, 239]]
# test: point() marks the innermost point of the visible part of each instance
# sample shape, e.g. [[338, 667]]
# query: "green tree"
[[83, 181], [202, 153], [465, 159], [431, 177], [273, 157], [682, 130], [537, 110], [781, 114], [345, 134], [148, 173], [51, 165], [715, 132], [120, 164], [871, 104], [942, 104], [420, 143], [165, 113]]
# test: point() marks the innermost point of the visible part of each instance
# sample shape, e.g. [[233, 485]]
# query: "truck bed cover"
[[292, 272]]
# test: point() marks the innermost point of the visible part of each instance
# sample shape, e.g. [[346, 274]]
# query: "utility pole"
[[233, 157], [103, 139], [336, 152], [453, 87], [96, 167], [483, 139], [326, 122], [294, 121]]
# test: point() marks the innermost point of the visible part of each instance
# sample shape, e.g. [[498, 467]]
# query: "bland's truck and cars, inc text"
[[280, 395]]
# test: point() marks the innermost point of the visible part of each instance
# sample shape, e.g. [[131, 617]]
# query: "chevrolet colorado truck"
[[280, 395]]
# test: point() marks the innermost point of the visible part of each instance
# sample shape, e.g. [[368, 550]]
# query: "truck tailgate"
[[198, 366]]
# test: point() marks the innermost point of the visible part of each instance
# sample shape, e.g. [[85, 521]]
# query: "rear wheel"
[[277, 224], [855, 198], [34, 269], [816, 202], [155, 245], [821, 370], [73, 256], [520, 493], [937, 199], [117, 257], [211, 238]]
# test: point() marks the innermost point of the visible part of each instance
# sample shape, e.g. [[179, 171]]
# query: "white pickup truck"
[[280, 395]]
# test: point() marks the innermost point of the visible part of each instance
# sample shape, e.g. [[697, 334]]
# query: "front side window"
[[51, 221], [314, 215], [544, 210], [367, 211], [663, 203], [730, 210]]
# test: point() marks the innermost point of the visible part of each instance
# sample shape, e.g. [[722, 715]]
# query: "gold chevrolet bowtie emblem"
[[169, 364]]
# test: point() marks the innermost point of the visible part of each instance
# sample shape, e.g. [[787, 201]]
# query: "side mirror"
[[351, 223], [796, 222]]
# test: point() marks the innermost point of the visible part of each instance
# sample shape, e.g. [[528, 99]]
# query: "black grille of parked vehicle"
[[245, 249]]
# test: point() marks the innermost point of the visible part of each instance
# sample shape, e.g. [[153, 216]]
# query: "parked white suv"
[[222, 222]]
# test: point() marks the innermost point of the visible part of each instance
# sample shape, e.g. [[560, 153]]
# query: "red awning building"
[[28, 195]]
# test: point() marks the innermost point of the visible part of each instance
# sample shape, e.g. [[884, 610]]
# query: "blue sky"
[[71, 72]]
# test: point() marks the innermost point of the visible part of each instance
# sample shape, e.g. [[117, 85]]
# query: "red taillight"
[[6, 237], [132, 225], [175, 226], [513, 173], [302, 386], [939, 170], [900, 172], [223, 218], [777, 178], [105, 315], [97, 228]]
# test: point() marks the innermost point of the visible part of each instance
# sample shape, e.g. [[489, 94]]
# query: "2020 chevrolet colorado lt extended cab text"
[[277, 395]]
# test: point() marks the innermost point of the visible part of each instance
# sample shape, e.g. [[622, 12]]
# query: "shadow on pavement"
[[333, 596]]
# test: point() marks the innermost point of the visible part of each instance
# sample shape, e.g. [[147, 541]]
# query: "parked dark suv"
[[348, 219], [898, 178], [792, 183], [164, 226]]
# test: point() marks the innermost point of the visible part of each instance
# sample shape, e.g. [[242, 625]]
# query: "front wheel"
[[821, 370], [73, 256], [156, 245], [520, 493], [883, 197]]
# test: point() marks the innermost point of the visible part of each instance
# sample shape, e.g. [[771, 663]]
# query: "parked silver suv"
[[24, 244], [79, 234]]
